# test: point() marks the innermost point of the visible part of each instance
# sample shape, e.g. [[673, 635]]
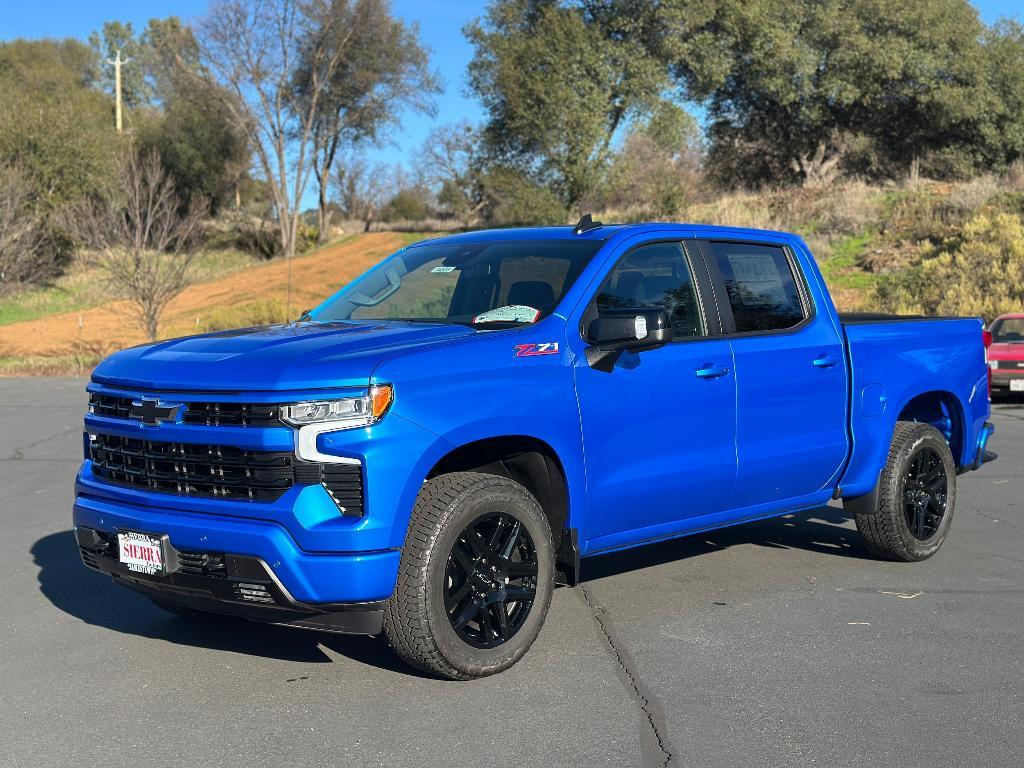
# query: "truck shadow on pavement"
[[96, 600], [825, 530]]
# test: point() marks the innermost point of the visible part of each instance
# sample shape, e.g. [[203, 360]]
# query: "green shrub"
[[979, 272]]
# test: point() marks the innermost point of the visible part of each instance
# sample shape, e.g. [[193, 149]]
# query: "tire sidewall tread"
[[415, 622], [885, 530]]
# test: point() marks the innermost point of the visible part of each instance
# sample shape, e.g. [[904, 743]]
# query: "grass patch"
[[61, 365], [85, 287], [244, 316], [843, 268]]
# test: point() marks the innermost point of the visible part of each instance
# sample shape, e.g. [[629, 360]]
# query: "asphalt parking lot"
[[777, 644]]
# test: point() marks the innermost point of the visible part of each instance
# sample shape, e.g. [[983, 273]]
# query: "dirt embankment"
[[112, 326]]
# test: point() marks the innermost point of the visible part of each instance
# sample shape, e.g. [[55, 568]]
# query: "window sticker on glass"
[[513, 313], [755, 268], [443, 270]]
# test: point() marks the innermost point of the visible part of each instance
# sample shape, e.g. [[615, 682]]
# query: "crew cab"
[[432, 449], [1006, 353]]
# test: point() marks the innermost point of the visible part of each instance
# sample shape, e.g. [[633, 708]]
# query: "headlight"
[[344, 413]]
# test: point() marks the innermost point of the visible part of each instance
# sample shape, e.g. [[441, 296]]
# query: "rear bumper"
[[307, 577], [1002, 377], [227, 584]]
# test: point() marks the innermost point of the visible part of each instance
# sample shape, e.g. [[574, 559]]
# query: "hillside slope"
[[104, 329]]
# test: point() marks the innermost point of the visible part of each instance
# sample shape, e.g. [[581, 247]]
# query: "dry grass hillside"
[[927, 247], [58, 343]]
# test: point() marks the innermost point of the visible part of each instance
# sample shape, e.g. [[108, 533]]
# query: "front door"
[[659, 428]]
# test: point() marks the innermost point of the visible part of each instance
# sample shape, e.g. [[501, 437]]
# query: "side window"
[[761, 286], [655, 276]]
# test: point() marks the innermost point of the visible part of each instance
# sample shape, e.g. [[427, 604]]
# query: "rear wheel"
[[475, 579], [916, 496]]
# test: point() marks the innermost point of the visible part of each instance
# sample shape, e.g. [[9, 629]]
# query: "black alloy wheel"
[[924, 493], [490, 580]]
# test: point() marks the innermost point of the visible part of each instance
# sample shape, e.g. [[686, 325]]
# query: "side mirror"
[[619, 330], [633, 329]]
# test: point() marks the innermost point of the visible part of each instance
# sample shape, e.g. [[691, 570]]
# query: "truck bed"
[[891, 358]]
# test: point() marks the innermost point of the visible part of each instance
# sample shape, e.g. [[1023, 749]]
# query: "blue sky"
[[440, 23]]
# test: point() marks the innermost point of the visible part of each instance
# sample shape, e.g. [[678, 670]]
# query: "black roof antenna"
[[585, 224]]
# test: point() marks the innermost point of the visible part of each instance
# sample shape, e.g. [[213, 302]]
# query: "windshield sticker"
[[513, 313], [534, 350], [443, 270]]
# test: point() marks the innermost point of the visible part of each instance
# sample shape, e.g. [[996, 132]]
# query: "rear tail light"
[[986, 337]]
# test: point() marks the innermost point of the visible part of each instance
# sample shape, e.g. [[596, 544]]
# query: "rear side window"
[[762, 288], [655, 276]]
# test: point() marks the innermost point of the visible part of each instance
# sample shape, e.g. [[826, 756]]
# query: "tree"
[[657, 171], [408, 204], [557, 83], [54, 123], [1002, 132], [191, 130], [199, 145], [55, 140], [23, 255], [116, 36], [141, 237], [383, 68], [361, 189], [252, 51], [513, 199], [449, 163], [795, 89]]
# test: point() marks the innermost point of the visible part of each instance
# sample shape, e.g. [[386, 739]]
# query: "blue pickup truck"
[[433, 449]]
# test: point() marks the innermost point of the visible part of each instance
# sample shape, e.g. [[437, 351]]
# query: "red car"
[[1006, 355]]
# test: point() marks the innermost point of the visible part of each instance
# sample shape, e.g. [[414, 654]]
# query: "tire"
[[442, 560], [906, 526]]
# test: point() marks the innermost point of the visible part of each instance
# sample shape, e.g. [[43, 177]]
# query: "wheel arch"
[[534, 464], [944, 411]]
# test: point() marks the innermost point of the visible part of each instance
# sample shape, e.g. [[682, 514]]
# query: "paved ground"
[[775, 644]]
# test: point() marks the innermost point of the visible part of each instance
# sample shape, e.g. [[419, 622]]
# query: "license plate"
[[140, 552], [1017, 385]]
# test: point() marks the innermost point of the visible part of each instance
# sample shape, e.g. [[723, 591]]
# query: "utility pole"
[[117, 62]]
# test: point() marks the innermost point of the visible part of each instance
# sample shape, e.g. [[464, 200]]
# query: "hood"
[[295, 356]]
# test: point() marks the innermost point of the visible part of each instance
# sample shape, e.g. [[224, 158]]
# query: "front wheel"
[[475, 578], [916, 496]]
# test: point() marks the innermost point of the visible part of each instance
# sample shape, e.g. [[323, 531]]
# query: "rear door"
[[659, 427], [791, 383]]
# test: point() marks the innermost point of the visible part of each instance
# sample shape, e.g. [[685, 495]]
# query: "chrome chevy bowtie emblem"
[[149, 410]]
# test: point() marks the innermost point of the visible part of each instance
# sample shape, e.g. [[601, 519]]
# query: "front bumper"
[[227, 584], [309, 577]]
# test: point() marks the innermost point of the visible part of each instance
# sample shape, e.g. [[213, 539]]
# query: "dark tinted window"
[[658, 276], [1009, 330], [762, 290]]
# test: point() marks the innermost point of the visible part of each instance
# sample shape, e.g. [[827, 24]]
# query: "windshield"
[[496, 283], [1009, 330]]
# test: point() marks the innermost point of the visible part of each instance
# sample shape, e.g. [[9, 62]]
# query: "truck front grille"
[[210, 414], [220, 471], [190, 469]]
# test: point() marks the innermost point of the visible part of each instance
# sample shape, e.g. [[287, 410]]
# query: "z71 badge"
[[535, 350]]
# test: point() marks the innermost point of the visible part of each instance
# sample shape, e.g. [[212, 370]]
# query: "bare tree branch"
[[23, 255], [141, 238]]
